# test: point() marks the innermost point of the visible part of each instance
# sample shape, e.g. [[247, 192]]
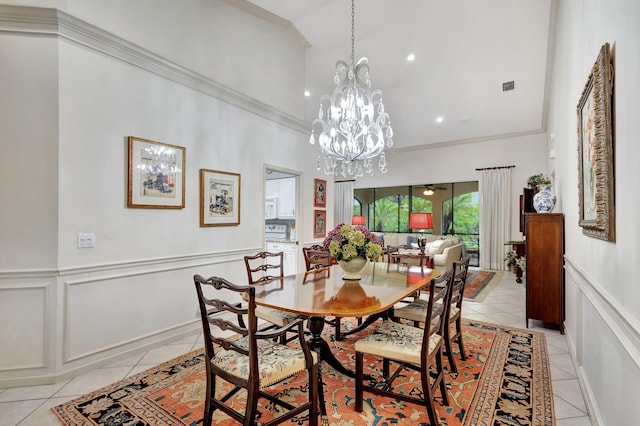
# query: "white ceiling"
[[465, 50]]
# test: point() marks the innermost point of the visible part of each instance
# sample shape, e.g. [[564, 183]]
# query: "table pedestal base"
[[321, 347]]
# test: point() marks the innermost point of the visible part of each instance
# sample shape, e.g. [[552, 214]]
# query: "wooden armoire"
[[545, 271]]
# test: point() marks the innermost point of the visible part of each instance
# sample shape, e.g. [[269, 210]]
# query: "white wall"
[[74, 97], [602, 294], [211, 38]]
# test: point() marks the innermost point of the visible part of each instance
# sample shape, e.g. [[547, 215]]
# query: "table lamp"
[[358, 220], [421, 221]]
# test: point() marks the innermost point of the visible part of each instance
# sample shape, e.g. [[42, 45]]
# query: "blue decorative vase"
[[545, 200]]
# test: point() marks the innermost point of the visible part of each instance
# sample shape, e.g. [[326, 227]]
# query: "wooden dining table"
[[322, 293]]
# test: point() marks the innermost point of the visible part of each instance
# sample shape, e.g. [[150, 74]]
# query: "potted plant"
[[539, 179], [512, 260], [516, 263]]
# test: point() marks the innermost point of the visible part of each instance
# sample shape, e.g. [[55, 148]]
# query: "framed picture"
[[319, 223], [156, 175], [595, 152], [219, 198], [320, 193]]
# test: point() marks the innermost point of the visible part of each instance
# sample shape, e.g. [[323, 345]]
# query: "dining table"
[[322, 293]]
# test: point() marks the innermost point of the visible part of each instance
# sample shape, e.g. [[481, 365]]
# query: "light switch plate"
[[86, 240]]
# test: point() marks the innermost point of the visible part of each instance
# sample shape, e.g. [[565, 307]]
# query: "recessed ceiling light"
[[306, 93], [411, 57], [439, 119]]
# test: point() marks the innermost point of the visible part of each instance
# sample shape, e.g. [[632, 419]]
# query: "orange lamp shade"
[[358, 220], [421, 221]]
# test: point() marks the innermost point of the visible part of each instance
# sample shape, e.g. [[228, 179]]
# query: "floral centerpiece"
[[350, 244]]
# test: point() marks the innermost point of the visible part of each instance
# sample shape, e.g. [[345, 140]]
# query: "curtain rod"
[[340, 181], [494, 168]]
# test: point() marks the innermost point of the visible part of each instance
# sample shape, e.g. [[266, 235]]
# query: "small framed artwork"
[[219, 198], [320, 193], [319, 223], [595, 152], [156, 174]]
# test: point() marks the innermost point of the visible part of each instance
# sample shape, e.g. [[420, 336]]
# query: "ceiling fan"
[[431, 189]]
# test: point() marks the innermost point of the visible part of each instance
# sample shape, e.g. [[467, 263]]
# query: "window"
[[454, 207], [357, 207]]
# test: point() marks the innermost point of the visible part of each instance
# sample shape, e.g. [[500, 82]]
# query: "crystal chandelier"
[[352, 127]]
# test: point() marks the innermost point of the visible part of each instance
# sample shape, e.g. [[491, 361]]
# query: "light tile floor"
[[505, 305]]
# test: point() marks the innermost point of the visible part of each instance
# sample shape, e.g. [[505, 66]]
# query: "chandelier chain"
[[353, 31], [352, 128]]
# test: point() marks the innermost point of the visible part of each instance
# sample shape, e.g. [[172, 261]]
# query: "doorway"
[[281, 202]]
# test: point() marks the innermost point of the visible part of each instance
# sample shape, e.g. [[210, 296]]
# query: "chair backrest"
[[460, 269], [438, 307], [264, 266], [317, 256], [215, 324]]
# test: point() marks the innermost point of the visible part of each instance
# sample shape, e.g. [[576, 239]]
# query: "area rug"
[[505, 380], [480, 283]]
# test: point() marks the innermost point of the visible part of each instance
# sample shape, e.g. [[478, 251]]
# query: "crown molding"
[[22, 20], [466, 141]]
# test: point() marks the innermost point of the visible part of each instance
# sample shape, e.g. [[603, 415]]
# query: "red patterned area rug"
[[480, 283], [506, 380]]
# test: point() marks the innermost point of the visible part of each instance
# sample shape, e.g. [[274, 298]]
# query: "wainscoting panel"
[[113, 309], [604, 340], [24, 325], [58, 324]]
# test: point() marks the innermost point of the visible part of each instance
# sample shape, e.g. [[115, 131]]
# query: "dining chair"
[[263, 268], [315, 257], [416, 311], [247, 358], [454, 318], [411, 348]]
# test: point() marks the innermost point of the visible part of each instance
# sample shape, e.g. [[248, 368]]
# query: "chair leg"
[[386, 368], [359, 381], [252, 409], [428, 392], [448, 348], [211, 390], [313, 396], [459, 333], [440, 370]]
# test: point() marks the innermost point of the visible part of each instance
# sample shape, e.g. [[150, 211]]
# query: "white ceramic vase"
[[545, 200], [351, 269]]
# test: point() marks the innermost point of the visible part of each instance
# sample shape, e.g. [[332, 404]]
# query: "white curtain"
[[343, 206], [495, 216]]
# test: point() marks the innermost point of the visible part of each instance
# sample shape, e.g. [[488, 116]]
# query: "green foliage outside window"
[[392, 212]]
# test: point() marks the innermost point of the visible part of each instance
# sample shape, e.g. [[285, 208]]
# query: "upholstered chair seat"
[[276, 362], [397, 341]]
